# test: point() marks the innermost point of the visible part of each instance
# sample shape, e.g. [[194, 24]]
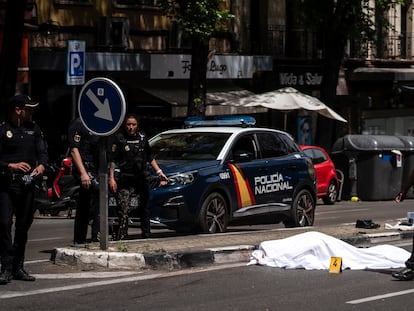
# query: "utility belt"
[[90, 166], [131, 179], [25, 179]]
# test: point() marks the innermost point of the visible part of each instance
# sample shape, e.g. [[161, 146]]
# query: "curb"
[[187, 259], [163, 261]]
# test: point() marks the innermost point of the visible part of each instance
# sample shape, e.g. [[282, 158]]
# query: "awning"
[[177, 97], [374, 73]]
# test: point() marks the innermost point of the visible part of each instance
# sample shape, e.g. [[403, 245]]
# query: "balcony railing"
[[302, 43], [279, 42]]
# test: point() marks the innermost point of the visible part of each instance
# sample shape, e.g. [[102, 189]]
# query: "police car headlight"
[[182, 178]]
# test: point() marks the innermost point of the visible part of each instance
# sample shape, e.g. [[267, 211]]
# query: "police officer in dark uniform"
[[84, 147], [130, 153], [23, 156], [406, 274]]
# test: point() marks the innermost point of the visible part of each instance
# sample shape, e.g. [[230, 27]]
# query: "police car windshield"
[[189, 146]]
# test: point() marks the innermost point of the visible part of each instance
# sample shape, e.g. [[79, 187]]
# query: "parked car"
[[326, 178], [231, 174]]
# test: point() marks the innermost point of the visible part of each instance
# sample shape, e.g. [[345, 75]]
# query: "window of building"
[[136, 3], [77, 2]]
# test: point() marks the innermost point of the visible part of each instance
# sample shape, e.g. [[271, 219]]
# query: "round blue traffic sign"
[[101, 106]]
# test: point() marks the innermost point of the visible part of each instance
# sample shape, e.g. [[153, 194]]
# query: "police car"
[[225, 171]]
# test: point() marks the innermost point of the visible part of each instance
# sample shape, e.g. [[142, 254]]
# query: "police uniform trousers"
[[141, 188], [18, 199], [87, 208]]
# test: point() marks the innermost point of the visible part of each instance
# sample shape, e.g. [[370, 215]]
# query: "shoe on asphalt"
[[366, 224], [22, 275], [406, 274], [5, 277]]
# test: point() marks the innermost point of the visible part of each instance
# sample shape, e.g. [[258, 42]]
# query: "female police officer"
[[23, 157], [130, 152]]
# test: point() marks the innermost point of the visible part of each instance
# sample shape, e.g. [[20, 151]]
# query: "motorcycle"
[[61, 195]]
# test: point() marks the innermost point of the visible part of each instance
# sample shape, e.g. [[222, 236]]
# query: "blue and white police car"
[[221, 175]]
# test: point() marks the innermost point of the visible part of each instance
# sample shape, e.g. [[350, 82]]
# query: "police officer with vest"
[[23, 156], [130, 153], [84, 147]]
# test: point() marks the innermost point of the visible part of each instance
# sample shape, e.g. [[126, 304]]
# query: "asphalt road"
[[224, 287], [231, 287], [48, 233]]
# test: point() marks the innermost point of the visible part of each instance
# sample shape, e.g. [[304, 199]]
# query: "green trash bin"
[[372, 166]]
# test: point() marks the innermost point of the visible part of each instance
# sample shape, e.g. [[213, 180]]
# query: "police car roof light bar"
[[197, 121]]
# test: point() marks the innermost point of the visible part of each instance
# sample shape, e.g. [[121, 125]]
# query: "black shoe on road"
[[406, 274], [22, 275], [5, 277]]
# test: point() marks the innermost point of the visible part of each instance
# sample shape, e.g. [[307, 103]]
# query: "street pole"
[[74, 101], [103, 194]]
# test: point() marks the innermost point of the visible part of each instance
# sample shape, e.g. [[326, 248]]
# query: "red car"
[[326, 178]]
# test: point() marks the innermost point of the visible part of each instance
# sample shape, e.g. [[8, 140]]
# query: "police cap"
[[22, 101]]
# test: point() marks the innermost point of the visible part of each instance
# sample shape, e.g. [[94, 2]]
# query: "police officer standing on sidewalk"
[[23, 156], [406, 274], [84, 148], [130, 152]]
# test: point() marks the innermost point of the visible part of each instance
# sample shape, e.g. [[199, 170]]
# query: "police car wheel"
[[303, 210], [332, 194], [213, 217]]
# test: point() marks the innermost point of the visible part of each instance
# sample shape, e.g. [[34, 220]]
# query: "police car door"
[[244, 165], [277, 177]]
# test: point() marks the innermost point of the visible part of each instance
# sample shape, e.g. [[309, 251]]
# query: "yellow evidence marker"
[[336, 265]]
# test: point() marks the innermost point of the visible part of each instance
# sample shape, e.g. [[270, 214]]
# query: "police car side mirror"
[[242, 157]]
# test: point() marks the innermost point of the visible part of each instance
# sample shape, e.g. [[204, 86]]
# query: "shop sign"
[[165, 66], [298, 79]]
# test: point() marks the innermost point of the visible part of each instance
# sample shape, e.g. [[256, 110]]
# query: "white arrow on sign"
[[104, 110]]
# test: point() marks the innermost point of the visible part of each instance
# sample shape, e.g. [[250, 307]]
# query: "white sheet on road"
[[313, 250]]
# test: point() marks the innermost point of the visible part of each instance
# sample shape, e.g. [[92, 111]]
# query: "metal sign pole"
[[102, 108], [103, 194], [74, 99]]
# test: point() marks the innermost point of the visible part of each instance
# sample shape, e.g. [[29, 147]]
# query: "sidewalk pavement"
[[179, 252]]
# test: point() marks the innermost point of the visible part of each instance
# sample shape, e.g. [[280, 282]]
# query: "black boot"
[[5, 276], [6, 270], [20, 274], [406, 274]]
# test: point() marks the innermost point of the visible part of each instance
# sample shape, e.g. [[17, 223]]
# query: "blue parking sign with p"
[[75, 71], [76, 64]]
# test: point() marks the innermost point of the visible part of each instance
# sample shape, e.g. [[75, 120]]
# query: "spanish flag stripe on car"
[[245, 195]]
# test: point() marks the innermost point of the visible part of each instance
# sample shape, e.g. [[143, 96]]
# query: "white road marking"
[[379, 297], [36, 261], [85, 275], [46, 239], [319, 212], [11, 294]]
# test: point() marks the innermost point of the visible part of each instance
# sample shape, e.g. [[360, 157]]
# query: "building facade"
[[263, 48]]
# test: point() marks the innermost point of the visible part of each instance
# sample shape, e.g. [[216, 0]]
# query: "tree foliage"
[[199, 19], [348, 19], [338, 21]]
